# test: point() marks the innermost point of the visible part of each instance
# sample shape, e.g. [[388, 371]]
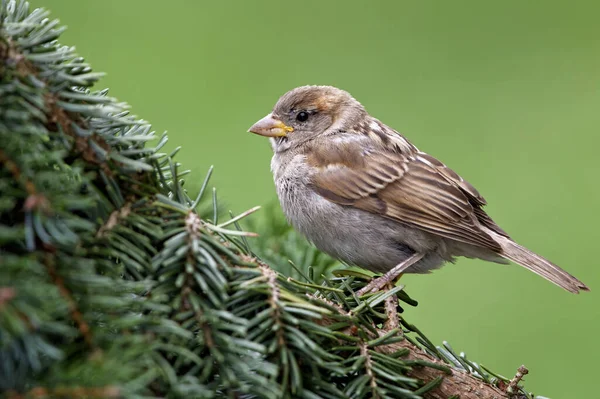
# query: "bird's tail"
[[539, 265]]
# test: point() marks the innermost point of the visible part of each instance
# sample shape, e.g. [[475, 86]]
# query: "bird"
[[362, 193]]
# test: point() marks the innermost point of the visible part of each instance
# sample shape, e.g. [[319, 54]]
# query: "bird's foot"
[[378, 283], [391, 276]]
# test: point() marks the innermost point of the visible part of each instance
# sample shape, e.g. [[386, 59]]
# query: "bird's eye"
[[302, 116]]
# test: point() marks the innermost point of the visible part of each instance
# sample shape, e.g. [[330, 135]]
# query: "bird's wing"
[[401, 183]]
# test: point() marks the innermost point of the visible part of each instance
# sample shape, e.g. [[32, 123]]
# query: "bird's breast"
[[348, 234], [292, 179]]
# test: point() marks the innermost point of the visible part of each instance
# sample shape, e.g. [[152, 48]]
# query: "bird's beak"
[[270, 127]]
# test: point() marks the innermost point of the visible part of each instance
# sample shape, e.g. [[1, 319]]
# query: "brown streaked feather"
[[477, 201], [487, 221], [454, 178], [410, 187]]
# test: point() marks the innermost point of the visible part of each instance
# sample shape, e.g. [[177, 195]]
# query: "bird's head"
[[307, 112]]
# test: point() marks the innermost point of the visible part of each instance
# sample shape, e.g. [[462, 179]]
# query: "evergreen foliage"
[[115, 283]]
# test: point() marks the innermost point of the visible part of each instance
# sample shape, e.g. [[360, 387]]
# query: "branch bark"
[[458, 384]]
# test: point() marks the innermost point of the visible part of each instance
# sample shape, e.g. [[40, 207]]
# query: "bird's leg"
[[378, 283]]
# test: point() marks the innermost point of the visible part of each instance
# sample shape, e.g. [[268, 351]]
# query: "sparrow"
[[362, 193]]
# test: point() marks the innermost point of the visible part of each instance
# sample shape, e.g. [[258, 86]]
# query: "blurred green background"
[[507, 93]]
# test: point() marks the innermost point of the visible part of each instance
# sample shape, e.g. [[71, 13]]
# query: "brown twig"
[[59, 119], [67, 392], [82, 325], [114, 218], [457, 384], [512, 385], [391, 310], [6, 295], [34, 199], [271, 277], [364, 351], [193, 223]]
